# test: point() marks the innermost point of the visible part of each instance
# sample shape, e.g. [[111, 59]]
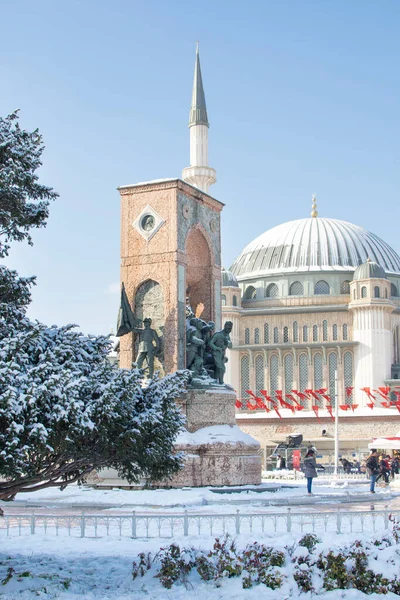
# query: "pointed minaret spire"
[[199, 173], [198, 110]]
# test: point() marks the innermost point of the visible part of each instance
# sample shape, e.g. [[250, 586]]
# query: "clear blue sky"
[[302, 97]]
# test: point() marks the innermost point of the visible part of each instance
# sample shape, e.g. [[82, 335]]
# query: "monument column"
[[170, 251]]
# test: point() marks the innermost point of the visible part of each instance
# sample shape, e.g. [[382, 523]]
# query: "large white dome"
[[313, 244]]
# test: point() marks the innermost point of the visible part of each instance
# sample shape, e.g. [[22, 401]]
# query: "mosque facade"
[[315, 306]]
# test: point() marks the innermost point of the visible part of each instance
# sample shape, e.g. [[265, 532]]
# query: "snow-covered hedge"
[[370, 566]]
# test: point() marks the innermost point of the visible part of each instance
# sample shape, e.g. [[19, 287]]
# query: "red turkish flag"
[[251, 406], [316, 409]]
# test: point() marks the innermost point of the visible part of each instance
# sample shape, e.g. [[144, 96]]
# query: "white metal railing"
[[137, 525]]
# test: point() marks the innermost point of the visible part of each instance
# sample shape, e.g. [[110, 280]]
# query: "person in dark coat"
[[385, 469], [395, 466], [310, 469], [373, 470]]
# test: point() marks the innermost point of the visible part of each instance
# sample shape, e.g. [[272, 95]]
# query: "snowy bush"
[[307, 566], [65, 410], [176, 564]]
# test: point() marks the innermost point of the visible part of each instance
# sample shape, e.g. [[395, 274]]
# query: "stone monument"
[[171, 275]]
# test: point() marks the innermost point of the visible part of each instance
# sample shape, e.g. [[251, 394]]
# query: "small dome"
[[228, 279], [369, 270]]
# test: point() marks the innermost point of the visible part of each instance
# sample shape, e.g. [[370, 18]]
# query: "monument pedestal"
[[216, 451]]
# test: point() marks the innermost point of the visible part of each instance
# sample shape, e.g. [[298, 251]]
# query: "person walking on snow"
[[372, 466], [394, 467], [310, 469]]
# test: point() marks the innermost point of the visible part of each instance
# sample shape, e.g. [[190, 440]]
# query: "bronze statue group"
[[205, 348]]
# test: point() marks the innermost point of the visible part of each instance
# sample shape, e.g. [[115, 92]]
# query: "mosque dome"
[[311, 245], [369, 270], [228, 279]]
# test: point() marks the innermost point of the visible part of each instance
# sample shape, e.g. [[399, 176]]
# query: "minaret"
[[199, 173]]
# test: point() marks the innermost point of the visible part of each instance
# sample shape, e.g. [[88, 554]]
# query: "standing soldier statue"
[[219, 342], [149, 345], [149, 342]]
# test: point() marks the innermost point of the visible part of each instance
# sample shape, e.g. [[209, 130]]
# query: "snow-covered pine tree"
[[64, 409]]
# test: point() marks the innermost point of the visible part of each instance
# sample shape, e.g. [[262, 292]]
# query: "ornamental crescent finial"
[[314, 212]]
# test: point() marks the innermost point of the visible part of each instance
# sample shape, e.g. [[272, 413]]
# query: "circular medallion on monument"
[[147, 222], [186, 210], [214, 224]]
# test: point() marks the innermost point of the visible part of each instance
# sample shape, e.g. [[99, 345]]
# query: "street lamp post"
[[336, 424]]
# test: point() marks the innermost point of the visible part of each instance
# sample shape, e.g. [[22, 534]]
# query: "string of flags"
[[295, 400]]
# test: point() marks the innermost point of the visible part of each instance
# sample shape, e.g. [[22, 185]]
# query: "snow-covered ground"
[[276, 494], [68, 567], [71, 568]]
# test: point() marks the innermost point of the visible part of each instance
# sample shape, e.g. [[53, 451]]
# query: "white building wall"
[[373, 355]]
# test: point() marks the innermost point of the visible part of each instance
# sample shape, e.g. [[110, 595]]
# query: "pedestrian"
[[384, 469], [372, 466], [346, 465], [278, 462], [283, 462], [395, 466], [310, 469]]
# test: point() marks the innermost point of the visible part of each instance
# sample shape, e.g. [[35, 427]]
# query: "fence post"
[[338, 521], [33, 523], [83, 525], [237, 521], [288, 521], [386, 517], [134, 524], [185, 523]]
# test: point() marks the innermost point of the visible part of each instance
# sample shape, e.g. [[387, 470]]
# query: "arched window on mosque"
[[256, 336], [345, 332], [223, 300], [377, 291], [296, 289], [324, 330], [396, 345], [303, 373], [234, 300], [276, 335], [393, 290], [272, 291], [348, 376], [305, 333], [259, 365], [288, 366], [345, 287], [332, 364], [266, 333], [322, 287], [285, 335], [315, 333], [334, 332], [318, 376], [295, 332], [363, 292], [273, 375], [244, 376], [250, 293], [247, 336]]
